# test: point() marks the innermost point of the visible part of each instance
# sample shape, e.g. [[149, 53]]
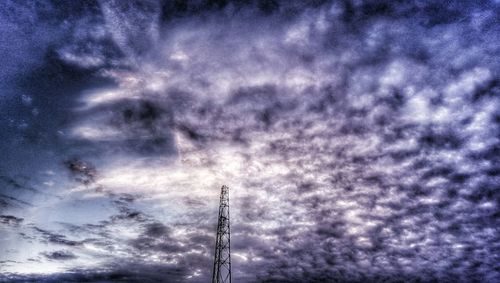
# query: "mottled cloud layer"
[[360, 140]]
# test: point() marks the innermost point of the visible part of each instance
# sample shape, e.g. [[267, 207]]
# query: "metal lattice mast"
[[222, 258]]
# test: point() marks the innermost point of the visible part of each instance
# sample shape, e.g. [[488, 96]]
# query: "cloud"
[[83, 172], [60, 255], [10, 220], [55, 238], [358, 139], [127, 272]]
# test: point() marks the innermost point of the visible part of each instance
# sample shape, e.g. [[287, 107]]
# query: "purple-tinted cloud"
[[359, 139]]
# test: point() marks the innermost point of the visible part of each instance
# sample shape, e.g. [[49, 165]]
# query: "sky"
[[360, 140]]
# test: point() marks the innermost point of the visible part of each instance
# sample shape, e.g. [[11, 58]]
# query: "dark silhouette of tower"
[[222, 259]]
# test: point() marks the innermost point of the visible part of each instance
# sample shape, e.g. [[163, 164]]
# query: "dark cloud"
[[82, 171], [10, 220], [148, 125], [7, 201], [60, 255], [55, 238]]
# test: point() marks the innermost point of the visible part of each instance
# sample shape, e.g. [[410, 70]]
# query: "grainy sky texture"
[[360, 140]]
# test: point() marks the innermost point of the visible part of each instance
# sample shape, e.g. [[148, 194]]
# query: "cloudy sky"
[[360, 140]]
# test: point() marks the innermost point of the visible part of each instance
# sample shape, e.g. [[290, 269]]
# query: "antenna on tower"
[[222, 259]]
